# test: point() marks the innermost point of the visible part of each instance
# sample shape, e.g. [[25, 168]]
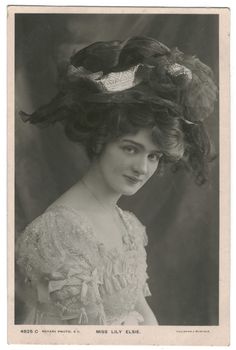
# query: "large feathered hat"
[[138, 70]]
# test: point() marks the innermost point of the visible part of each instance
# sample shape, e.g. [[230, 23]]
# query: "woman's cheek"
[[153, 169]]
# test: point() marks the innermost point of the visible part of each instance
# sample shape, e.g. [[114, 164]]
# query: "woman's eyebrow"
[[140, 145]]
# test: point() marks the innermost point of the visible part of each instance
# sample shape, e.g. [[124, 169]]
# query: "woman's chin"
[[130, 191]]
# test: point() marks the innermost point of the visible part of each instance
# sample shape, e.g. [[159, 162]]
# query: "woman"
[[134, 106]]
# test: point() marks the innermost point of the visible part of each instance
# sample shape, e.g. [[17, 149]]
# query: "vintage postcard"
[[118, 175]]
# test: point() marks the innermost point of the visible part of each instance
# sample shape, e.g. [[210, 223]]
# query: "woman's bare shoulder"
[[52, 219], [73, 199], [60, 216]]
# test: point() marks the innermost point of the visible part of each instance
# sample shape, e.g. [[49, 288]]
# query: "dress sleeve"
[[141, 240], [60, 264]]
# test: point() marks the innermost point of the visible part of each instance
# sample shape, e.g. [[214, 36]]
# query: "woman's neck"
[[94, 182]]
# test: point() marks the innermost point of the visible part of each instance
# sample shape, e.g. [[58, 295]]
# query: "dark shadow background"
[[181, 218]]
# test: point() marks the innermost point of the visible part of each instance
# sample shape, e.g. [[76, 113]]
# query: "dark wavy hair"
[[165, 100]]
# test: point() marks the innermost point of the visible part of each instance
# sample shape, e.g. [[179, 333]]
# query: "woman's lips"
[[132, 179]]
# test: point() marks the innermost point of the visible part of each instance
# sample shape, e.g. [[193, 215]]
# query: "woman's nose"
[[141, 165]]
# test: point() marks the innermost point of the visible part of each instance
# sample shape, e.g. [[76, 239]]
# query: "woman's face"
[[127, 163]]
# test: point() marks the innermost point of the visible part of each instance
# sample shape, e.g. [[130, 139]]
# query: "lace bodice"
[[75, 277]]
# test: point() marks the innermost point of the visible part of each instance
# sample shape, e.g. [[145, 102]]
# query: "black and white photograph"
[[117, 160]]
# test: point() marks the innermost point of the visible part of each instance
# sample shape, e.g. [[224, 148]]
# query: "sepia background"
[[181, 217]]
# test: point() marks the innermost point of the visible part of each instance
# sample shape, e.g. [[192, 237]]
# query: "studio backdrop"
[[182, 218]]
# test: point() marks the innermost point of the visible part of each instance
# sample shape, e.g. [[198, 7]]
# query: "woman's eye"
[[129, 149], [154, 157]]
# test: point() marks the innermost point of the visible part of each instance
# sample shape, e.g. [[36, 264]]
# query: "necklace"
[[114, 213]]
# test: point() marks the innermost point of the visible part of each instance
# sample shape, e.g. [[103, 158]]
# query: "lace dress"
[[74, 278]]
